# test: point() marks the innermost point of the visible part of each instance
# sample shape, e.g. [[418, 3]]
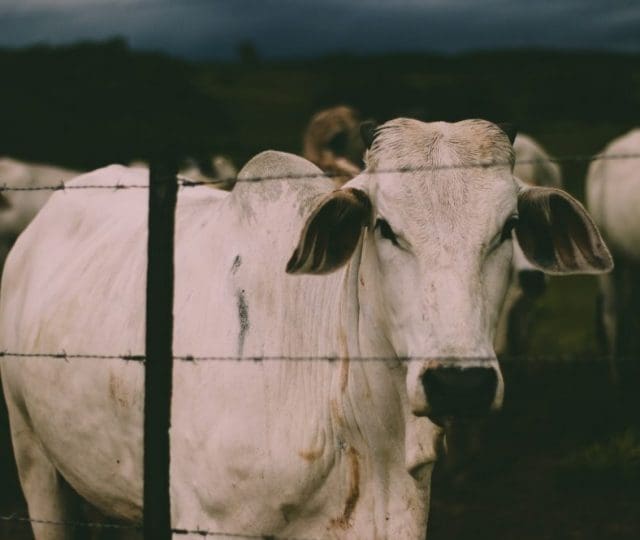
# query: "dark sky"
[[204, 29]]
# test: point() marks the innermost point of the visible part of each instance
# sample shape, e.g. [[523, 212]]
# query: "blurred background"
[[89, 82]]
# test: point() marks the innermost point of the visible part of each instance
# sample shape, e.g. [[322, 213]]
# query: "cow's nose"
[[454, 392], [532, 282]]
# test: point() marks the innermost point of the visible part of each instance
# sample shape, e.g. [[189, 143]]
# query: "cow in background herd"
[[613, 198], [332, 141], [329, 143], [18, 208]]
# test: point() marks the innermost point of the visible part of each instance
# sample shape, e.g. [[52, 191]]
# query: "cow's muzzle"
[[459, 392]]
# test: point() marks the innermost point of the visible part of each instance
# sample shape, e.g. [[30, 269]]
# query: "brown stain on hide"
[[310, 455], [116, 391], [353, 494], [336, 414], [344, 374]]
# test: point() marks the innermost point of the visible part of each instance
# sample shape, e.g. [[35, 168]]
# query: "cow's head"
[[436, 253]]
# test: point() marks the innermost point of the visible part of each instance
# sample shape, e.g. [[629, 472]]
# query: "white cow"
[[17, 208], [534, 167], [613, 197], [410, 268]]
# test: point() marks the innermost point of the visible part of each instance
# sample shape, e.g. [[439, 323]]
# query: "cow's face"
[[436, 253]]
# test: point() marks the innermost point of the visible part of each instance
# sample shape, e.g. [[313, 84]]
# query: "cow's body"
[[296, 447], [613, 198], [276, 440]]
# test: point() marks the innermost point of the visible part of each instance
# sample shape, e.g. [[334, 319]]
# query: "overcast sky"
[[204, 29]]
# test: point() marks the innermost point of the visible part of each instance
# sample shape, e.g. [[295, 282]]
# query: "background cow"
[[391, 266], [613, 197], [332, 141], [218, 171], [17, 208]]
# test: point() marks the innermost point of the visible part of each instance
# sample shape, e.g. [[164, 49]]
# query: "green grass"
[[614, 462]]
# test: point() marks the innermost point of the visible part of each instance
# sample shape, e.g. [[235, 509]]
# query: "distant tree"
[[248, 53]]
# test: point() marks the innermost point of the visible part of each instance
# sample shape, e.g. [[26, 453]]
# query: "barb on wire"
[[186, 182]]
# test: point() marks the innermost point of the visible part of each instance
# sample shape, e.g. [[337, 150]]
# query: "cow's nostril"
[[532, 282], [459, 392]]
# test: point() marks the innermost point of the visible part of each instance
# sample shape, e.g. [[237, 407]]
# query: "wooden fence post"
[[163, 188]]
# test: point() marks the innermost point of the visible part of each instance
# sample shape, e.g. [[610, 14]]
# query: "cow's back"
[[20, 205], [613, 195], [533, 164]]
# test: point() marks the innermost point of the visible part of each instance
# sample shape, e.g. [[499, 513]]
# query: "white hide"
[[613, 196], [317, 449], [533, 164]]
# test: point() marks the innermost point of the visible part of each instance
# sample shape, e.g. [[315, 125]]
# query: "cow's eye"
[[386, 231], [508, 227]]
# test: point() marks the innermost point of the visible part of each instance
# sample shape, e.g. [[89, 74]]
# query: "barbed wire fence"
[[185, 182], [161, 357]]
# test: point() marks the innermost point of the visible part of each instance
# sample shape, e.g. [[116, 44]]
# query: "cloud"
[[284, 28]]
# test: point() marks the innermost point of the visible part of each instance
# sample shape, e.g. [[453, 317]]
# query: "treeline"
[[93, 103]]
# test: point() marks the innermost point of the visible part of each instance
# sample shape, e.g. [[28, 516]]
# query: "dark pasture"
[[562, 460]]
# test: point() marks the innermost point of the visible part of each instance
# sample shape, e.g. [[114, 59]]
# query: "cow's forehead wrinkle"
[[406, 143], [441, 187]]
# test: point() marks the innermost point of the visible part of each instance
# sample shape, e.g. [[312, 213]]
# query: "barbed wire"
[[118, 526], [519, 358], [186, 182], [70, 523]]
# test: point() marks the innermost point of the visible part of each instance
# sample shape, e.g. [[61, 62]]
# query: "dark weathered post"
[[159, 350]]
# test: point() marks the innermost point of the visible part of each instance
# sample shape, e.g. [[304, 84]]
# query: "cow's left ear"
[[557, 235], [331, 233]]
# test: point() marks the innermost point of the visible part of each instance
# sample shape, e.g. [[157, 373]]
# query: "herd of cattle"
[[401, 273]]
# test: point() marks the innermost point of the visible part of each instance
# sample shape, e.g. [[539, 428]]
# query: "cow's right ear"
[[331, 232], [557, 235]]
